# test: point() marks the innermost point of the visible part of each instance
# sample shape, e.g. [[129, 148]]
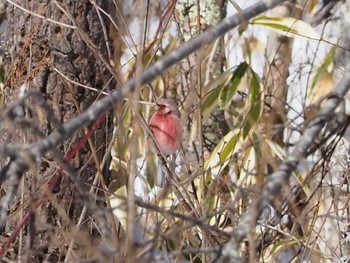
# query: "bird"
[[165, 124]]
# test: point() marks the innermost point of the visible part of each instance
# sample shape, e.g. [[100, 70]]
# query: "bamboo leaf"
[[229, 90], [255, 102], [288, 26], [255, 97], [221, 154], [214, 87], [322, 80]]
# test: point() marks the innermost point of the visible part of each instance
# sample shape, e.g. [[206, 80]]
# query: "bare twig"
[[76, 82], [100, 107], [230, 252], [324, 12], [105, 34], [35, 151], [40, 16]]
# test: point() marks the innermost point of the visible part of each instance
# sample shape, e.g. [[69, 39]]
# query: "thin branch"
[[76, 82], [231, 251], [40, 16], [38, 149], [104, 30]]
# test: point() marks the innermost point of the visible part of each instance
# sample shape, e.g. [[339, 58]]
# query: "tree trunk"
[[48, 55]]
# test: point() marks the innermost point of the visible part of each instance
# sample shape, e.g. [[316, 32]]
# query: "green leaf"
[[229, 90], [211, 202], [255, 97], [2, 74], [246, 128], [221, 154], [210, 100], [255, 102], [214, 87]]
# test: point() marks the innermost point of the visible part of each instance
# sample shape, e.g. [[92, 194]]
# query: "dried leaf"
[[288, 26]]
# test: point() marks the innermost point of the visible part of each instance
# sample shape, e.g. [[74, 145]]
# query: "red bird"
[[165, 125]]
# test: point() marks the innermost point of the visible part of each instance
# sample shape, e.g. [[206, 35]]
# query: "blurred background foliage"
[[245, 101]]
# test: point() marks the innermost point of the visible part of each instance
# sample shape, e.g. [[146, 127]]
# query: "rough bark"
[[38, 48]]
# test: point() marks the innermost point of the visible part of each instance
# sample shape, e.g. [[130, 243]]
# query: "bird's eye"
[[160, 107]]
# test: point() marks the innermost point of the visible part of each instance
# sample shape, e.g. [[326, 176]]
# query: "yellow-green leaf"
[[221, 154], [229, 90], [322, 80], [255, 102], [288, 26], [213, 88], [255, 97]]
